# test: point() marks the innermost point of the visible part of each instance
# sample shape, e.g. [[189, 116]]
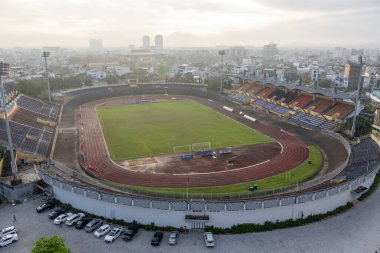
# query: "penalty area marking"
[[224, 171]]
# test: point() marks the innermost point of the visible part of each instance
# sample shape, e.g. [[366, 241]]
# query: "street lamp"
[[222, 53], [46, 54], [4, 70]]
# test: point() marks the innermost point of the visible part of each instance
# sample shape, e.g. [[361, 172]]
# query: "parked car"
[[131, 232], [82, 223], [61, 218], [55, 213], [157, 237], [8, 239], [113, 234], [102, 230], [209, 239], [7, 231], [74, 218], [44, 207], [92, 225], [173, 237]]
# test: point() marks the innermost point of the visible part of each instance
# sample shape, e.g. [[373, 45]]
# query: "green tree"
[[55, 244]]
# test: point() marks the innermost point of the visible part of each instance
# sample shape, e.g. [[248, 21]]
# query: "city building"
[[96, 44], [270, 51], [146, 42], [159, 42], [314, 70], [352, 73]]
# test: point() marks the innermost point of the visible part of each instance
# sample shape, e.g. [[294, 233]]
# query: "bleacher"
[[265, 93], [238, 97], [342, 109], [320, 105], [272, 107], [364, 156], [32, 126], [311, 121], [37, 106], [277, 95], [303, 101], [289, 97]]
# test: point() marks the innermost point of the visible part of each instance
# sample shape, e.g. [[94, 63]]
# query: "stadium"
[[179, 155]]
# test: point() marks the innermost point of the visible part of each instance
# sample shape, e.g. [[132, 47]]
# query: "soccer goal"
[[185, 149], [201, 146]]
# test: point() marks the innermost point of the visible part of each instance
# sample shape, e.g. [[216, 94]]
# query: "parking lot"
[[355, 231]]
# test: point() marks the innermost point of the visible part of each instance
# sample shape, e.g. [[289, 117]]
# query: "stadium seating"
[[32, 126], [364, 156], [49, 110], [320, 105], [272, 107], [311, 121], [342, 109], [265, 93], [289, 97], [303, 101]]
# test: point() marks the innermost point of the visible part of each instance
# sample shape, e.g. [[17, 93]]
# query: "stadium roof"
[[308, 89]]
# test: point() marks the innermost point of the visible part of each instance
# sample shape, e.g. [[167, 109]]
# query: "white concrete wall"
[[219, 219]]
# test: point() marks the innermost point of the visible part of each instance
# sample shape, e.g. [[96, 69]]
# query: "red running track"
[[96, 161]]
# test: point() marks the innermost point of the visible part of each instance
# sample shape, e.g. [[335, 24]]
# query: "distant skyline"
[[71, 23]]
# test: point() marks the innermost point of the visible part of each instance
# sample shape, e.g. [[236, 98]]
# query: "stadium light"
[[222, 53], [46, 54], [357, 101], [4, 70]]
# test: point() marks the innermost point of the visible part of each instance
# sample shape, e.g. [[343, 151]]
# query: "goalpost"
[[201, 146], [185, 149]]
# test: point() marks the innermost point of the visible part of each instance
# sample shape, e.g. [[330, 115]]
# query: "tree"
[[55, 244]]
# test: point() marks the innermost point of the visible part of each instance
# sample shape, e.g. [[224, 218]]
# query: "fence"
[[204, 205]]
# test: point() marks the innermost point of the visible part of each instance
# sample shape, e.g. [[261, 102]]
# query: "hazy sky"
[[71, 23]]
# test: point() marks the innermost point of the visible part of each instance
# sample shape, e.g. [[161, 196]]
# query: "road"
[[357, 230]]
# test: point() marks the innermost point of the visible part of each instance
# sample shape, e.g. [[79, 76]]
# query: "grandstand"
[[312, 110], [32, 124]]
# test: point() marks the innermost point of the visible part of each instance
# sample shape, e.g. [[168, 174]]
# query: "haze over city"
[[36, 23]]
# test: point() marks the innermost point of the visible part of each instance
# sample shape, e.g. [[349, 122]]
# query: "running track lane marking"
[[217, 172]]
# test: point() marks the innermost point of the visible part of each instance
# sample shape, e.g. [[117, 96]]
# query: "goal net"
[[182, 149], [201, 146]]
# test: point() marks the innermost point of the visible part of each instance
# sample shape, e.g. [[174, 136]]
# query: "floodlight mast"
[[222, 53], [4, 70], [357, 101], [46, 54]]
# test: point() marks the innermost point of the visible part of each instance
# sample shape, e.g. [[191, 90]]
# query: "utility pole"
[[46, 54], [4, 70], [222, 53], [357, 97]]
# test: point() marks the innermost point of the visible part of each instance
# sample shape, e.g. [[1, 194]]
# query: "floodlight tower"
[[4, 70], [222, 53], [46, 54], [357, 101]]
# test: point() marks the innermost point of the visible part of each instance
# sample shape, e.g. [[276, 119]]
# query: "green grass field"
[[301, 173], [144, 130]]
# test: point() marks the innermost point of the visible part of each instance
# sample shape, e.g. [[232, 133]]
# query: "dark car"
[[130, 232], [54, 214], [82, 223], [157, 237], [44, 207]]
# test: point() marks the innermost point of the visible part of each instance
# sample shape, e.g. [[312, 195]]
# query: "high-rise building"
[[352, 73], [159, 42], [270, 51], [146, 42], [96, 44]]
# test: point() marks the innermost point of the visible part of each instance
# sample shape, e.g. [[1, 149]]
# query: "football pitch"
[[143, 130]]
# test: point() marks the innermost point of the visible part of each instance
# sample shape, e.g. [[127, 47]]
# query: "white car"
[[74, 218], [113, 234], [102, 231], [209, 239], [62, 218], [7, 231], [8, 239]]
